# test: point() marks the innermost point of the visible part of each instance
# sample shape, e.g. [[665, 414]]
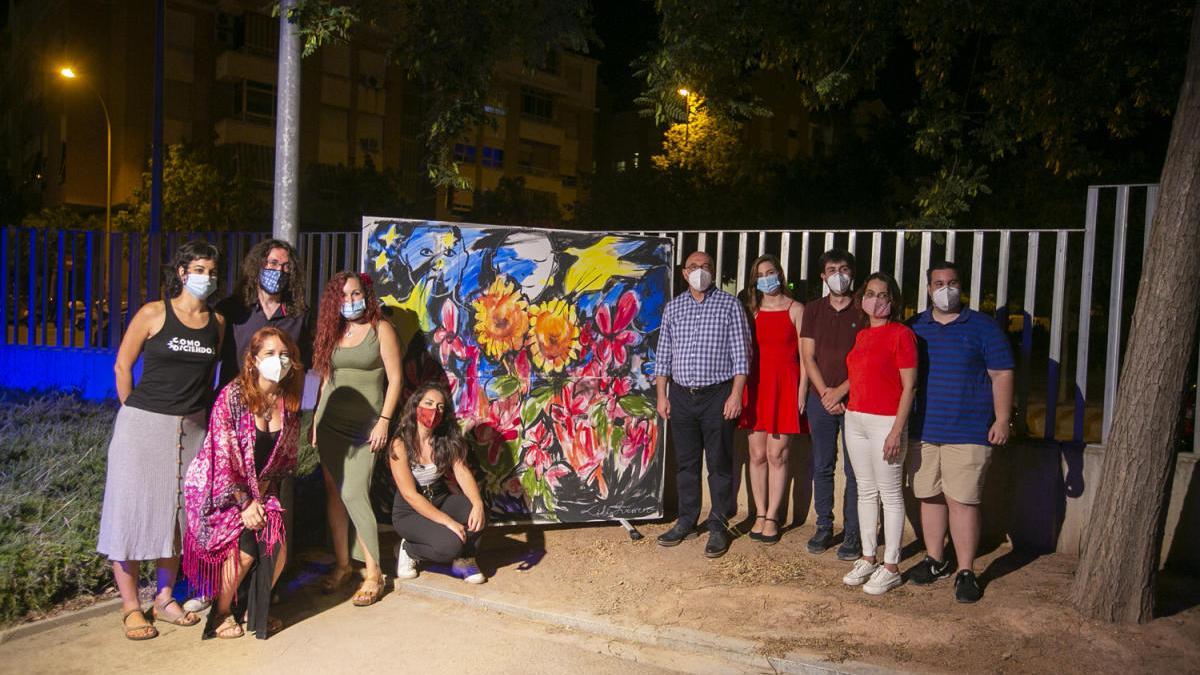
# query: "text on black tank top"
[[177, 367]]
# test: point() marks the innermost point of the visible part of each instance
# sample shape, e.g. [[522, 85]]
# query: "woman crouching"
[[435, 524], [235, 546]]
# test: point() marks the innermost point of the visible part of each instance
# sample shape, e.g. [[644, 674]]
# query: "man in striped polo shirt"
[[703, 357], [963, 407]]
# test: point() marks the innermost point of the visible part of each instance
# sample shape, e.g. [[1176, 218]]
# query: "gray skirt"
[[148, 457]]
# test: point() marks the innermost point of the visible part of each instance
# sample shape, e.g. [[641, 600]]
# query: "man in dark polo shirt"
[[269, 292], [830, 327], [963, 407]]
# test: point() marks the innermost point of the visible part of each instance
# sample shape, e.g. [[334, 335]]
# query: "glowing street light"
[[68, 73], [687, 111]]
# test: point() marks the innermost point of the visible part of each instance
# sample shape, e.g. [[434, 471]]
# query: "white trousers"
[[879, 480]]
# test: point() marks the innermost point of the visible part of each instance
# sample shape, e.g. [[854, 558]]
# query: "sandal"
[[756, 536], [336, 578], [770, 538], [369, 592], [227, 629], [182, 619], [142, 631]]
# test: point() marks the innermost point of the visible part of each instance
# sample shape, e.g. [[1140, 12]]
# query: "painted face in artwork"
[[529, 257], [437, 254]]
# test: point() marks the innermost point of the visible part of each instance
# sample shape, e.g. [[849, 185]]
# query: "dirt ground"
[[787, 599]]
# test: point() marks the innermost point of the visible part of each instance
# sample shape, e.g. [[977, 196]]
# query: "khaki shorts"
[[956, 471]]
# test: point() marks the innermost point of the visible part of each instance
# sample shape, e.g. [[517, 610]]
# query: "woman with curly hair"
[[357, 356], [236, 546], [435, 524]]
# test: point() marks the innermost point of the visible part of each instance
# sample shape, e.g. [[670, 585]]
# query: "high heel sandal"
[[756, 536], [336, 578], [770, 538]]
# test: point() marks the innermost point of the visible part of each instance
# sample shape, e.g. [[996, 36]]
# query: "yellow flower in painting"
[[553, 335], [501, 318]]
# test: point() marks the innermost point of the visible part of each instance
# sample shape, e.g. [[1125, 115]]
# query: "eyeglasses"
[[692, 268], [273, 264]]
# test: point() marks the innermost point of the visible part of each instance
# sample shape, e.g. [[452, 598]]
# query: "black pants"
[[430, 541], [252, 602], [701, 432]]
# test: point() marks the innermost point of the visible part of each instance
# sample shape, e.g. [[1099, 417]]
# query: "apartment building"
[[220, 67]]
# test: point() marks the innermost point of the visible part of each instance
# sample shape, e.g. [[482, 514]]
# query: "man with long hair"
[[270, 291]]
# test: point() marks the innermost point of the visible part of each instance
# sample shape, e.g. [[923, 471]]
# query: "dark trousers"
[[701, 433], [824, 429], [253, 600], [430, 541]]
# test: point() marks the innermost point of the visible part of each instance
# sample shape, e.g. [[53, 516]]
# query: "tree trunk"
[[1119, 561]]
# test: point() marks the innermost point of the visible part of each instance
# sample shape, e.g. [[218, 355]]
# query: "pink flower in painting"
[[522, 368], [613, 389], [554, 473], [583, 453], [502, 425], [570, 405], [640, 439], [537, 449], [613, 335], [446, 336]]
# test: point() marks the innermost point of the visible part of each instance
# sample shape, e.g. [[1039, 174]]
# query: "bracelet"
[[385, 417]]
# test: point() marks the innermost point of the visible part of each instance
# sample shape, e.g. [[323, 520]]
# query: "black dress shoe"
[[677, 534], [718, 543], [821, 541]]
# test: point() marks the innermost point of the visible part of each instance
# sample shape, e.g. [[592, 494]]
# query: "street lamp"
[[687, 111], [68, 73]]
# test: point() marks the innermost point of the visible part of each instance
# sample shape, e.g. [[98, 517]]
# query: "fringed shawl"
[[225, 465]]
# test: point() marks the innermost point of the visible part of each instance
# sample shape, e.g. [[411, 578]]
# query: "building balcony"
[[234, 65], [231, 130]]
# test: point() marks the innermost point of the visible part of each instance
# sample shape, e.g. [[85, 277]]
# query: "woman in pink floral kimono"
[[235, 546]]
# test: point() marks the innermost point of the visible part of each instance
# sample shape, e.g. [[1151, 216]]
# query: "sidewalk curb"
[[36, 627], [733, 649]]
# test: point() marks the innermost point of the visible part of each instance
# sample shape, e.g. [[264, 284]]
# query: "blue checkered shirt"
[[703, 343]]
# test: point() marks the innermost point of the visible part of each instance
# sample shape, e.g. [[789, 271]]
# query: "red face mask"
[[429, 417]]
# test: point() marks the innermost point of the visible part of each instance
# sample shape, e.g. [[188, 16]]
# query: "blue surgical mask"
[[272, 281], [353, 310], [200, 285], [769, 283]]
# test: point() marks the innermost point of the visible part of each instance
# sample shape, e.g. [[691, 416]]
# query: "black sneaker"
[[821, 540], [718, 543], [851, 548], [966, 587], [677, 534], [928, 571]]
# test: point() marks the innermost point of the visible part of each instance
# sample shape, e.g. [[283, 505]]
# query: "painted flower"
[[501, 426], [570, 405], [446, 336], [537, 449], [584, 453], [613, 336], [554, 473], [501, 318], [553, 335], [613, 388], [640, 439]]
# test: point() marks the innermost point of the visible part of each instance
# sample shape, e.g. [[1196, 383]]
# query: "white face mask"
[[200, 285], [947, 298], [838, 283], [700, 279], [274, 368]]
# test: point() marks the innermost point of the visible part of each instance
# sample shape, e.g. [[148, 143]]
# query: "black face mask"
[[273, 282]]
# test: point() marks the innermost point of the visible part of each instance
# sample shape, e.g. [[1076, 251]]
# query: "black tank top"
[[177, 367], [264, 443]]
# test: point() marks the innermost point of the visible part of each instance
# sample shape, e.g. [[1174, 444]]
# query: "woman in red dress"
[[775, 393]]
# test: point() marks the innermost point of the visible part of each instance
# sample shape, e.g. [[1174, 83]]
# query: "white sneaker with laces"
[[858, 575], [882, 581], [406, 567]]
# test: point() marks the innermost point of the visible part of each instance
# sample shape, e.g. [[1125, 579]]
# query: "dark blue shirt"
[[953, 402]]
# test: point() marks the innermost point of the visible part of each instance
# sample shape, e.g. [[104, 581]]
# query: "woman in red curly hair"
[[357, 357]]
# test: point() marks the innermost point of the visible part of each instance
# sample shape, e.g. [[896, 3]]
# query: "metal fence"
[[1060, 293]]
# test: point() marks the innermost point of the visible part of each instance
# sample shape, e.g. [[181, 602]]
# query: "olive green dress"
[[350, 404]]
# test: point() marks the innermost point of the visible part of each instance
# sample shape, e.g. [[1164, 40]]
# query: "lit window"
[[492, 157], [621, 166]]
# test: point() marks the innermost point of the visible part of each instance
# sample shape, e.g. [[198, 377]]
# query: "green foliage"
[[62, 218], [337, 197], [197, 197], [451, 48], [511, 204], [53, 450], [1061, 79]]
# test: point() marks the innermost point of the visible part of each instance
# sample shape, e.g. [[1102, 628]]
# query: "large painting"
[[546, 338]]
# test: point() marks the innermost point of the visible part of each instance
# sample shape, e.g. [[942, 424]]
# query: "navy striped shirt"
[[703, 343], [953, 401]]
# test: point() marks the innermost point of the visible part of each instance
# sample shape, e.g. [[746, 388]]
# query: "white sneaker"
[[882, 581], [860, 573], [197, 604], [467, 570], [406, 567]]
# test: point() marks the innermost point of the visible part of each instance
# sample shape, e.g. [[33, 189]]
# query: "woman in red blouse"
[[882, 370]]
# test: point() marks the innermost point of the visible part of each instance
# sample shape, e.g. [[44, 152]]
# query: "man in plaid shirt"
[[704, 354]]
